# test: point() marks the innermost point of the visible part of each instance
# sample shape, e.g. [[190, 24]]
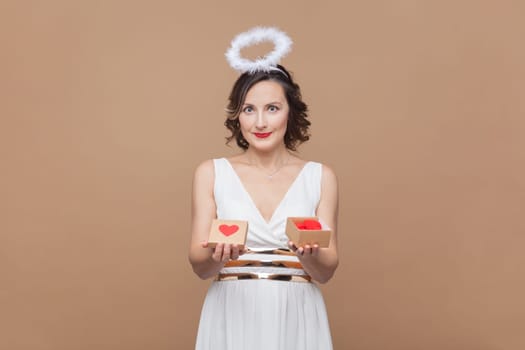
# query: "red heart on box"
[[228, 230]]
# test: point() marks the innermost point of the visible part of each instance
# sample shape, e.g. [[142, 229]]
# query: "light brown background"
[[108, 106]]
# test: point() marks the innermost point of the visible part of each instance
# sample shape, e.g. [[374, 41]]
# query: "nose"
[[261, 121]]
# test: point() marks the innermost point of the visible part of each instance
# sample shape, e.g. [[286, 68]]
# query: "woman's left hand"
[[308, 250]]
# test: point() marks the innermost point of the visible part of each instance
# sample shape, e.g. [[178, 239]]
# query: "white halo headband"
[[282, 45]]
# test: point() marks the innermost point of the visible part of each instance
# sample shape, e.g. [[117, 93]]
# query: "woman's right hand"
[[223, 252]]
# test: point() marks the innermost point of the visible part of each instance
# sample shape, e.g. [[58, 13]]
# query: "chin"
[[265, 148], [255, 147]]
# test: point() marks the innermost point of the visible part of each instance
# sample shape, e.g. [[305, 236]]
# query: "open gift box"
[[307, 230], [228, 231]]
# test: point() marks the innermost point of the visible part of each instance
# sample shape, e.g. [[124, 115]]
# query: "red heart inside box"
[[308, 224], [228, 230]]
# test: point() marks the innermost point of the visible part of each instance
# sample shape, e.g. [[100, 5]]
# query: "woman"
[[265, 184]]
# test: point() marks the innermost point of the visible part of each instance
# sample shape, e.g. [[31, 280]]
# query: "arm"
[[321, 263], [206, 262]]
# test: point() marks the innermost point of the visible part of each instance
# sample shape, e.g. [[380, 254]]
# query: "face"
[[264, 116]]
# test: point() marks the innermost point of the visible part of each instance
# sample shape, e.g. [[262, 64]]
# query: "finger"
[[226, 252], [292, 246], [299, 251], [217, 252], [243, 251], [234, 252], [315, 250], [307, 250], [204, 244]]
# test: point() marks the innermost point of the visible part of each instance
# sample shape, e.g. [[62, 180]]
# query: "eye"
[[273, 108], [247, 109]]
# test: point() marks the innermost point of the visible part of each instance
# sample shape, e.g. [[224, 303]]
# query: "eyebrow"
[[269, 103]]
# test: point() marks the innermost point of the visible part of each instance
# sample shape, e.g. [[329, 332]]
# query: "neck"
[[270, 160], [269, 164]]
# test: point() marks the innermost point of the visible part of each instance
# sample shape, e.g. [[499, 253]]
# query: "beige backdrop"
[[108, 106]]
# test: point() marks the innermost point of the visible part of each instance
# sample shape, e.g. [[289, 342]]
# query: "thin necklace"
[[270, 176]]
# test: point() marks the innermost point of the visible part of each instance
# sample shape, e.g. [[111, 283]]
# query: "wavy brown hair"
[[297, 128]]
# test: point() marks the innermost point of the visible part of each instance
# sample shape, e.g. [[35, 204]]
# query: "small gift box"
[[228, 231], [307, 230]]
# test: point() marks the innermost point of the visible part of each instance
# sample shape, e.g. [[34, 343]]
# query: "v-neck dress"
[[263, 313]]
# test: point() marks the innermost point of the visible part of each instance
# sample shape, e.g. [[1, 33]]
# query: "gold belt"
[[279, 251], [262, 276], [274, 263], [262, 263]]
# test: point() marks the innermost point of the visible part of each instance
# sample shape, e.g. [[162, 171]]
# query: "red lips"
[[262, 135]]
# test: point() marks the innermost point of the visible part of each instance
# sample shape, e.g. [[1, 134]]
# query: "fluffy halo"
[[282, 45]]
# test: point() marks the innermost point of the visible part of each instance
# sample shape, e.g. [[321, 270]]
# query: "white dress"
[[263, 313]]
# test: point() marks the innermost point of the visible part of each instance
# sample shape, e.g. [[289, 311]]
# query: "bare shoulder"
[[204, 172], [328, 179], [329, 173], [205, 166]]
